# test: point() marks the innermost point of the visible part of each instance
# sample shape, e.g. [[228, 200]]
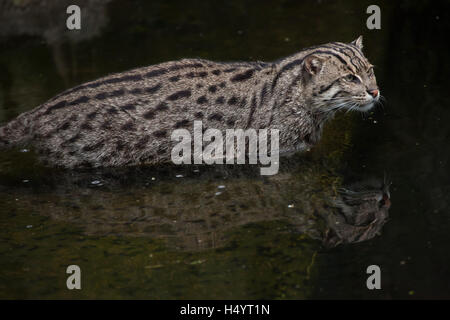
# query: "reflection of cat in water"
[[194, 210], [362, 210]]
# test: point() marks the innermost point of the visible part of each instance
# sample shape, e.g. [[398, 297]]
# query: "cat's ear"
[[358, 42], [313, 64]]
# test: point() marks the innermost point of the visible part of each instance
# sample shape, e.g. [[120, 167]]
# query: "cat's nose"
[[373, 92]]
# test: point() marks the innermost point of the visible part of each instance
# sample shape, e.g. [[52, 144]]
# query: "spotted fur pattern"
[[127, 118]]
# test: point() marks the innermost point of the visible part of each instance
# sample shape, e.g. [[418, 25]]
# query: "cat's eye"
[[351, 78]]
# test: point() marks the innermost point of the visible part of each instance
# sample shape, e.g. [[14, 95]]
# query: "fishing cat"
[[127, 118]]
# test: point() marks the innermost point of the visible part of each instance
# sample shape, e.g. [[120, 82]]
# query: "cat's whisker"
[[380, 102], [351, 107]]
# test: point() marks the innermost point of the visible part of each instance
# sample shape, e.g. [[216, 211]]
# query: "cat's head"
[[362, 211], [340, 77]]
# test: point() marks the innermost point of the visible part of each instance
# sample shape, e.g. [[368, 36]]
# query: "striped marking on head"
[[348, 55], [353, 53]]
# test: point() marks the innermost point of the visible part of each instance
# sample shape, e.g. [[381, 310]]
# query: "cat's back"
[[117, 119]]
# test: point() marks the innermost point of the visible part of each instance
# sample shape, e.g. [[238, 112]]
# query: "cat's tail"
[[17, 132]]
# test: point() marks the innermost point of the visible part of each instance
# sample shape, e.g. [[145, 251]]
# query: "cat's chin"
[[366, 107]]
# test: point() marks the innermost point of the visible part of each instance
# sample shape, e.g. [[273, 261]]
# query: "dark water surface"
[[227, 232]]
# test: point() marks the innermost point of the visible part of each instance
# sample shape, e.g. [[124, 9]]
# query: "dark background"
[[408, 139]]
